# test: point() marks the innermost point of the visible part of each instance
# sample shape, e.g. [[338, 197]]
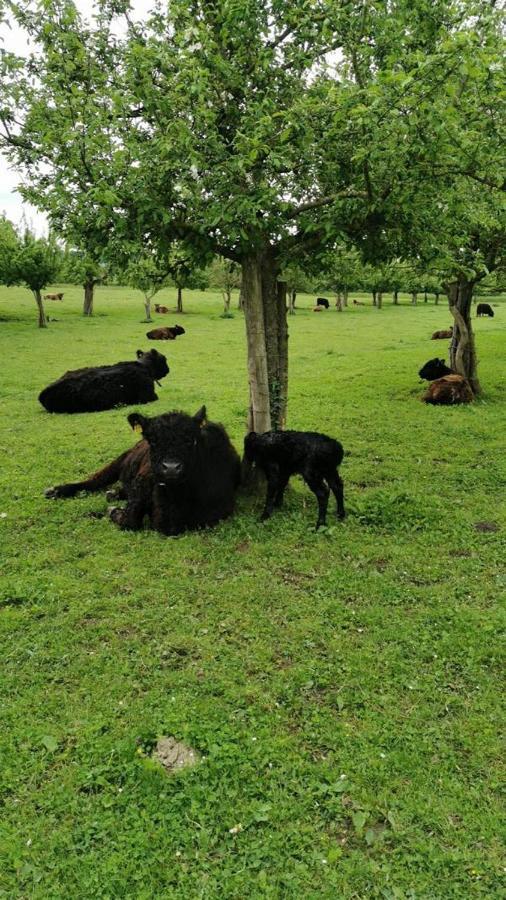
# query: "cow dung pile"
[[174, 755]]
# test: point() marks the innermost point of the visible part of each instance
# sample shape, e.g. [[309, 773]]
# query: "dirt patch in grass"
[[175, 755]]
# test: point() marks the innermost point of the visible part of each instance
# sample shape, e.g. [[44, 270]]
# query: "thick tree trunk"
[[40, 307], [462, 347], [436, 298], [147, 307], [259, 418], [339, 301], [267, 341], [345, 297], [414, 297], [226, 301], [179, 307], [89, 288], [425, 298], [395, 300], [240, 302], [379, 299], [374, 298], [291, 302]]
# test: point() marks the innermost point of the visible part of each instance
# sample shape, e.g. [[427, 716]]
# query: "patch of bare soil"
[[174, 755]]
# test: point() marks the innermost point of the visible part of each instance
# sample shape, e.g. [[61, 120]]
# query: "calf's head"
[[434, 368], [174, 442], [155, 361]]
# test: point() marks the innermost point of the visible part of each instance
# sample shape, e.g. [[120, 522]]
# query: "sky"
[[14, 40]]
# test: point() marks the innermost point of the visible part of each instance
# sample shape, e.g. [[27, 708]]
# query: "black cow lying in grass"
[[434, 368], [322, 301], [316, 457], [484, 309], [104, 387], [182, 475]]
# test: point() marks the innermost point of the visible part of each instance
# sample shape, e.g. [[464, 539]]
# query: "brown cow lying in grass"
[[161, 309], [440, 335], [449, 390], [165, 334], [53, 296]]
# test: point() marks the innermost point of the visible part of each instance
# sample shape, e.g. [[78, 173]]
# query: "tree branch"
[[325, 201]]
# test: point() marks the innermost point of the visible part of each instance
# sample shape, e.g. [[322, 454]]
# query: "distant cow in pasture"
[[322, 301], [484, 309], [165, 334], [449, 390], [182, 475], [317, 308], [53, 296], [104, 387], [358, 303], [441, 335], [434, 368], [280, 454], [161, 309]]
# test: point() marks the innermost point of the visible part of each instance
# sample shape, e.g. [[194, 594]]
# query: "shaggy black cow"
[[165, 333], [182, 475], [484, 309], [322, 301], [316, 457], [434, 368], [103, 387], [441, 335]]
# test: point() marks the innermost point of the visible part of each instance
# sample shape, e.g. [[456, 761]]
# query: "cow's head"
[[174, 441], [434, 368], [155, 361]]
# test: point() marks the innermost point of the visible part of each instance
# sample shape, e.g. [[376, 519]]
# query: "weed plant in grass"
[[343, 687]]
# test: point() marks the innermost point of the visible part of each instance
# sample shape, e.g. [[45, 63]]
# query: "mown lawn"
[[344, 686]]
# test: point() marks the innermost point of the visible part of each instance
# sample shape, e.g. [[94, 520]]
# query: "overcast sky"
[[14, 40]]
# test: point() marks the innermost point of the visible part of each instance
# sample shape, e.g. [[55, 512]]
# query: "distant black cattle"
[[104, 387], [322, 301], [161, 309], [448, 391], [316, 457], [165, 333], [484, 309], [434, 368], [182, 475]]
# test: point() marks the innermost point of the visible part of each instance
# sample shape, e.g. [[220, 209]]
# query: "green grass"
[[343, 686]]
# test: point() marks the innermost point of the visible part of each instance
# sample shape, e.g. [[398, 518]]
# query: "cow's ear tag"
[[138, 428]]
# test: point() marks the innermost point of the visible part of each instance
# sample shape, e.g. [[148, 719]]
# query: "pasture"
[[343, 686]]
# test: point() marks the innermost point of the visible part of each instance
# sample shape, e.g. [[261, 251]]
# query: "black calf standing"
[[316, 457]]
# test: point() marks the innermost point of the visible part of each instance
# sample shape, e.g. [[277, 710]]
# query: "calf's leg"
[[272, 475], [282, 483], [335, 483], [320, 489], [132, 516]]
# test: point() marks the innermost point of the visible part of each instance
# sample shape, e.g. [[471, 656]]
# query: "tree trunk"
[[147, 307], [374, 298], [291, 302], [414, 297], [259, 417], [436, 298], [40, 307], [339, 301], [425, 298], [89, 288], [379, 299], [226, 301], [240, 302], [462, 347], [294, 297], [179, 307], [345, 297], [267, 341], [396, 298]]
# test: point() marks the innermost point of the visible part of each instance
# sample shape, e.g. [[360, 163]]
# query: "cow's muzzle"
[[171, 470]]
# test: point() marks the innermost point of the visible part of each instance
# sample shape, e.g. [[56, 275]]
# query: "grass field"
[[342, 686]]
